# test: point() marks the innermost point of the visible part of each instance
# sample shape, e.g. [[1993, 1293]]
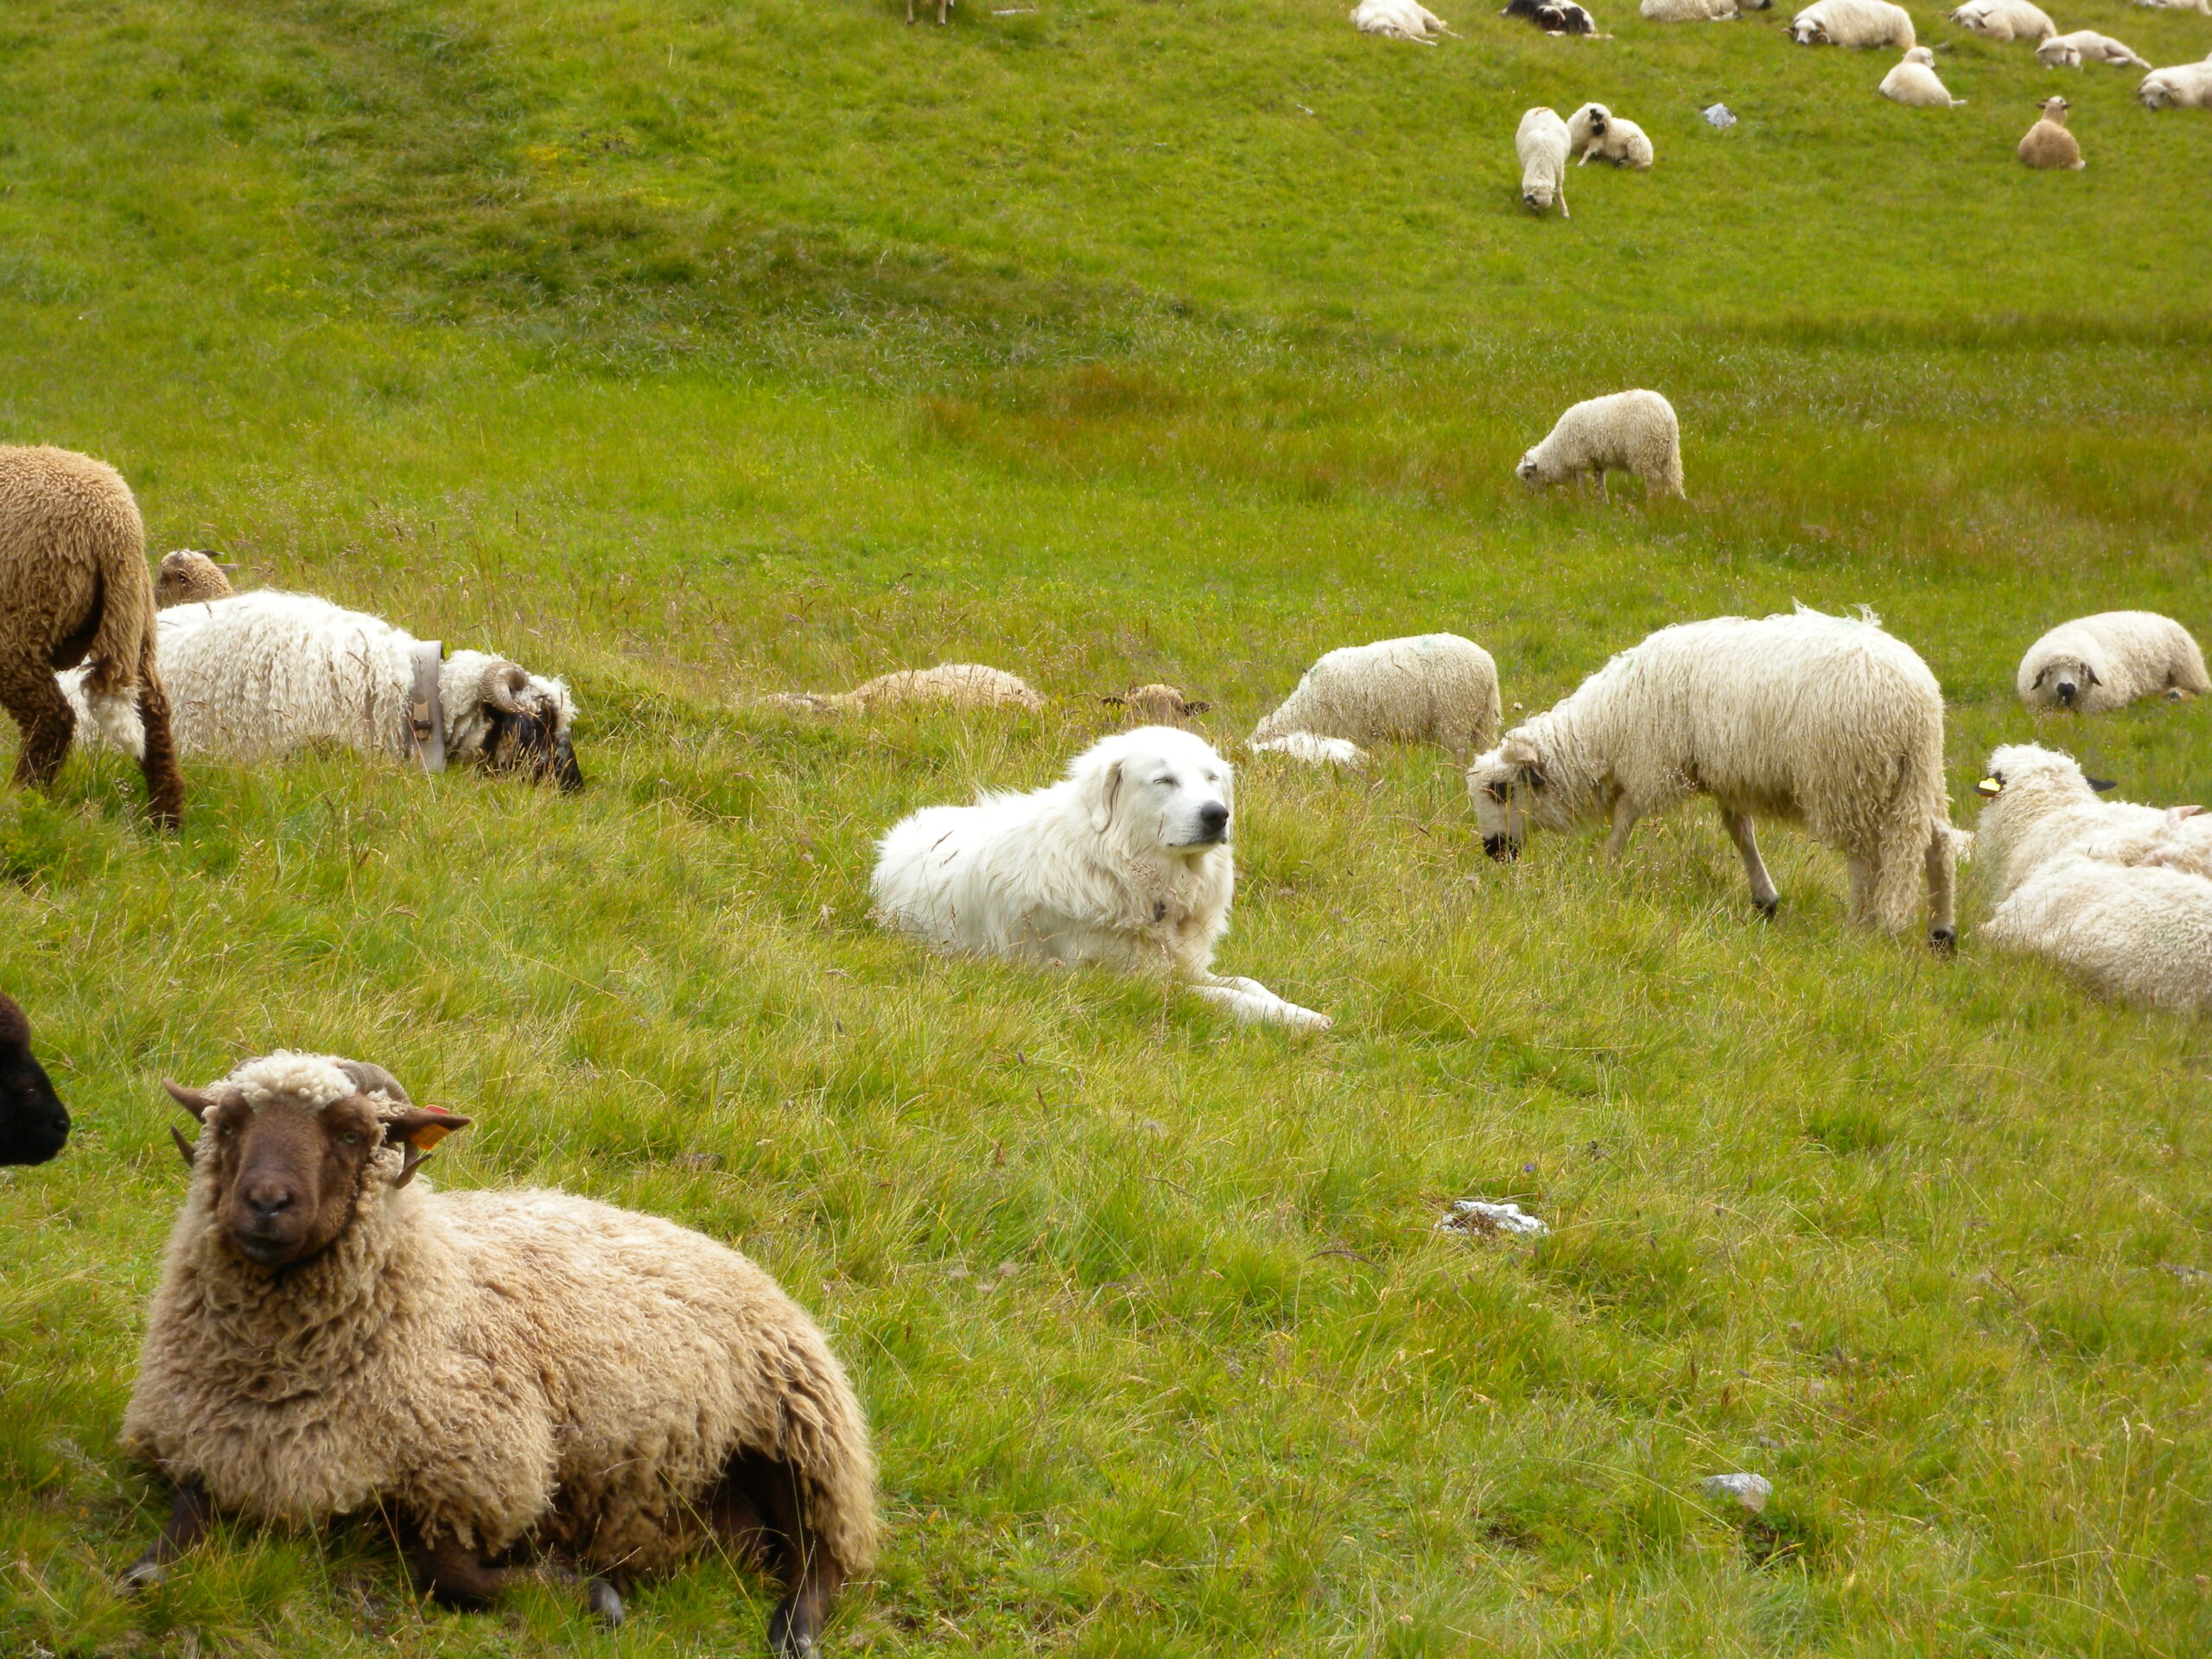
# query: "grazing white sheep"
[[1862, 23], [1623, 431], [952, 685], [1311, 751], [1913, 82], [1593, 130], [2047, 146], [263, 673], [2139, 933], [1429, 688], [1399, 20], [2005, 20], [2096, 664], [2086, 45], [2038, 803], [1542, 143], [1125, 862], [2185, 86], [1816, 720], [479, 1369], [1697, 11]]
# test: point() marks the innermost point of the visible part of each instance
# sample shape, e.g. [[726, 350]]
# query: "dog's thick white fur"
[[1125, 862]]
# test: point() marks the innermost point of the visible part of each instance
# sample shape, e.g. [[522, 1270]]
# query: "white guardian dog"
[[1125, 862]]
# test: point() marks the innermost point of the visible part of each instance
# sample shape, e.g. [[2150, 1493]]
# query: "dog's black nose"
[[1213, 819]]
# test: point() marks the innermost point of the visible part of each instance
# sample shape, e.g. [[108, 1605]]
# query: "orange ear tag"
[[428, 1136]]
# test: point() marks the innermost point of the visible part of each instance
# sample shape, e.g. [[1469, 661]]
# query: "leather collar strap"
[[425, 728]]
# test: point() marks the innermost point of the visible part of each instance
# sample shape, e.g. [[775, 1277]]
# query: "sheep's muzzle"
[[1504, 849]]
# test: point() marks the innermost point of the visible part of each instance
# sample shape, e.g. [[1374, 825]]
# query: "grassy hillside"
[[693, 350]]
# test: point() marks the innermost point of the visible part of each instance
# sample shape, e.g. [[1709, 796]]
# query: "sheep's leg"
[[157, 766], [1943, 884], [188, 1524], [1624, 817], [760, 1513], [1861, 904], [1747, 848], [31, 694], [454, 1574]]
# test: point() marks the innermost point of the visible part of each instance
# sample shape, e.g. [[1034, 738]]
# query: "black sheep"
[[33, 1123]]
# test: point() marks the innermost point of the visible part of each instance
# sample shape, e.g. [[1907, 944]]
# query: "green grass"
[[690, 350]]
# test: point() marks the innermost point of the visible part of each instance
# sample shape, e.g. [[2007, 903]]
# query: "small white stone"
[[1750, 1490]]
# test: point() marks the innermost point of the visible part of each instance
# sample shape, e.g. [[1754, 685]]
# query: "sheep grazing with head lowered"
[[33, 1123], [2038, 804], [1815, 720], [1399, 20], [2094, 664], [1625, 431], [1429, 688], [2185, 86], [262, 674], [485, 1368], [190, 577], [1540, 142], [2005, 20], [950, 685], [73, 589], [1861, 23], [2084, 47], [1593, 130], [1913, 82], [2048, 146], [1697, 11]]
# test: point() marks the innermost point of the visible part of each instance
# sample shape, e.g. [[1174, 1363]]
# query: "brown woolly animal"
[[483, 1368], [189, 577], [73, 589], [2049, 146], [1155, 705]]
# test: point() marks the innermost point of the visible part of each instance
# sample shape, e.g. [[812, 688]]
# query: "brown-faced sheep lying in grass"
[[486, 1367], [73, 589]]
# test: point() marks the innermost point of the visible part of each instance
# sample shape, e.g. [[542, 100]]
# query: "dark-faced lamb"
[[33, 1123], [75, 589], [2097, 663], [487, 1369]]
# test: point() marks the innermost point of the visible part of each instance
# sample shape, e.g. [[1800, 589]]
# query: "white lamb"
[[1697, 11], [1541, 143], [2086, 45], [1593, 130], [1625, 431], [1863, 23], [2184, 86], [2005, 20], [1913, 82], [1430, 688], [1399, 20], [2038, 804], [1311, 751], [263, 673], [1816, 720], [2096, 664], [2139, 933]]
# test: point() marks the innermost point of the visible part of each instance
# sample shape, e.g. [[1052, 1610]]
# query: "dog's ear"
[[1103, 795]]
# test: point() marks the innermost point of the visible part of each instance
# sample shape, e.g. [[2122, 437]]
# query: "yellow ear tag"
[[428, 1136], [1989, 789]]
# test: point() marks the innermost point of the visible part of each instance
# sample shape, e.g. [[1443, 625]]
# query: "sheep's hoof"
[[1768, 906], [143, 1575], [1943, 941], [605, 1601]]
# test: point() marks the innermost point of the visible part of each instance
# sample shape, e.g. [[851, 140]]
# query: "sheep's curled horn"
[[502, 684]]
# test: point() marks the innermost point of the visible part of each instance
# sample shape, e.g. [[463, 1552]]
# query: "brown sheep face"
[[288, 1177]]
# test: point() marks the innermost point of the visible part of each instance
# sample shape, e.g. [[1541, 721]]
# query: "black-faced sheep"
[[33, 1123], [188, 576], [2097, 663], [1553, 16], [1817, 720], [2038, 803], [950, 685], [1428, 688], [486, 1367], [1595, 131], [73, 589], [263, 673]]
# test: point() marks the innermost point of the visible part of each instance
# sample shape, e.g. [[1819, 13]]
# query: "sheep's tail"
[[123, 642]]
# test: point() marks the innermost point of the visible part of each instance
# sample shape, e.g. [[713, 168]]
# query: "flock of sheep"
[[495, 1366], [1544, 142]]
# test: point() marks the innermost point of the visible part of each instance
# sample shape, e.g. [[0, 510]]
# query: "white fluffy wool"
[[1541, 141], [1311, 751], [1428, 688], [2110, 660], [1625, 431], [1913, 82], [1398, 20], [2084, 47], [1595, 131], [949, 685], [2143, 934], [2045, 807], [2005, 20], [2184, 86], [1693, 11], [1861, 23], [1816, 720]]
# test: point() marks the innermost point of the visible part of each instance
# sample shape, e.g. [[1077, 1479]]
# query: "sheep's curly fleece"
[[1428, 688], [494, 1363], [1623, 431], [2133, 654], [1860, 23], [2141, 933], [2046, 808]]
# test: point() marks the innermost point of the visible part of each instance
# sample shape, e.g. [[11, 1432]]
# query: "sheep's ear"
[[184, 1148], [2090, 674], [1518, 752], [195, 1100], [1115, 702], [1197, 708], [416, 1131], [2103, 785]]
